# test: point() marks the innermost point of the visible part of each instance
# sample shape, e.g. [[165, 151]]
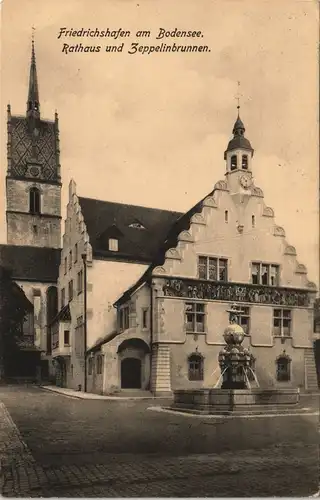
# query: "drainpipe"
[[151, 330], [84, 258]]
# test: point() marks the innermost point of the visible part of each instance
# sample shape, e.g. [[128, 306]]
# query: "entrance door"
[[131, 373]]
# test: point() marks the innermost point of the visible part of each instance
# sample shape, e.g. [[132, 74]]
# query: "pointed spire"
[[33, 104], [239, 141]]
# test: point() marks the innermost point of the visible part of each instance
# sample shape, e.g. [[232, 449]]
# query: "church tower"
[[33, 182]]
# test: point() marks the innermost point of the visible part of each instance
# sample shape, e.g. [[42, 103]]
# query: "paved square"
[[58, 446]]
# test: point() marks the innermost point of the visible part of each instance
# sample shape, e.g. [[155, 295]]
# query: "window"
[[253, 221], [99, 364], [113, 245], [80, 281], [195, 317], [34, 201], [70, 290], [66, 337], [65, 265], [245, 162], [226, 216], [210, 268], [283, 369], [144, 318], [124, 318], [281, 322], [242, 316], [265, 274], [63, 297], [90, 365], [234, 162], [76, 252], [195, 367], [70, 259]]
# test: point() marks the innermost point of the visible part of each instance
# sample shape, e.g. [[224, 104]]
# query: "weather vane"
[[238, 95]]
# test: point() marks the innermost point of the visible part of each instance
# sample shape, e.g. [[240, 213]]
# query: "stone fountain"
[[233, 391]]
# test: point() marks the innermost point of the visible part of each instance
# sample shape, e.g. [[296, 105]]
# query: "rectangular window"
[[265, 274], [70, 259], [113, 245], [213, 269], [65, 265], [63, 297], [99, 364], [195, 317], [124, 318], [144, 318], [80, 281], [282, 322], [66, 337], [243, 318], [76, 252], [70, 290]]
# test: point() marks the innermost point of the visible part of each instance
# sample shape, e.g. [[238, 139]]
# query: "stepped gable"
[[140, 230], [28, 263]]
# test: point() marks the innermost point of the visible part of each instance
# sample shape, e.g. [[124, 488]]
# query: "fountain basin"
[[210, 401]]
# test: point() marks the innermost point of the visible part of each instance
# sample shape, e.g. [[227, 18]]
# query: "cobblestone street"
[[52, 445]]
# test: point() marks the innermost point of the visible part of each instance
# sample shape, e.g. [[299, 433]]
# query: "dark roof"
[[31, 263], [100, 342], [239, 141], [63, 315], [106, 219], [170, 241]]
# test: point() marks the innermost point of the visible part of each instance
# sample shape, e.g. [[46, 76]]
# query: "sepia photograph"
[[159, 248]]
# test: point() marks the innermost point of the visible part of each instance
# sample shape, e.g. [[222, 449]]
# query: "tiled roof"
[[170, 241], [106, 220], [31, 263]]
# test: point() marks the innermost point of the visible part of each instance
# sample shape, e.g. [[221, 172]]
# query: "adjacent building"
[[33, 212]]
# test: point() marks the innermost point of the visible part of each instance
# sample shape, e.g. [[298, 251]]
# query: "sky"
[[152, 129]]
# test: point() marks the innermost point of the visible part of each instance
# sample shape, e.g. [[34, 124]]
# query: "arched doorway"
[[131, 373], [134, 364]]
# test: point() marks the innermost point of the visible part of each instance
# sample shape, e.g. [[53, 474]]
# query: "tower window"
[[113, 245], [226, 216], [195, 367], [253, 221], [34, 201], [234, 162], [245, 162]]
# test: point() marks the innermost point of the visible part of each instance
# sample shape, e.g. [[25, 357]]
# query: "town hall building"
[[138, 298]]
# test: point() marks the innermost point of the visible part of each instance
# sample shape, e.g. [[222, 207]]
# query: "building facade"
[[177, 278]]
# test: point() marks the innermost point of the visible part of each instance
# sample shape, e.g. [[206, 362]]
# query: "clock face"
[[34, 171], [245, 181]]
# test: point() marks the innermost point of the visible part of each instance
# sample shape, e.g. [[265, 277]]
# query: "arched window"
[[195, 367], [34, 200], [283, 368], [245, 162], [226, 217], [253, 221], [234, 162]]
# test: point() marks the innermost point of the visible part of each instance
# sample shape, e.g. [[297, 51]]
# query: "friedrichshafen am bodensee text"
[[120, 33]]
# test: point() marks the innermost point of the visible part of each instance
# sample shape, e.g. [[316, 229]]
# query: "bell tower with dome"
[[238, 157]]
